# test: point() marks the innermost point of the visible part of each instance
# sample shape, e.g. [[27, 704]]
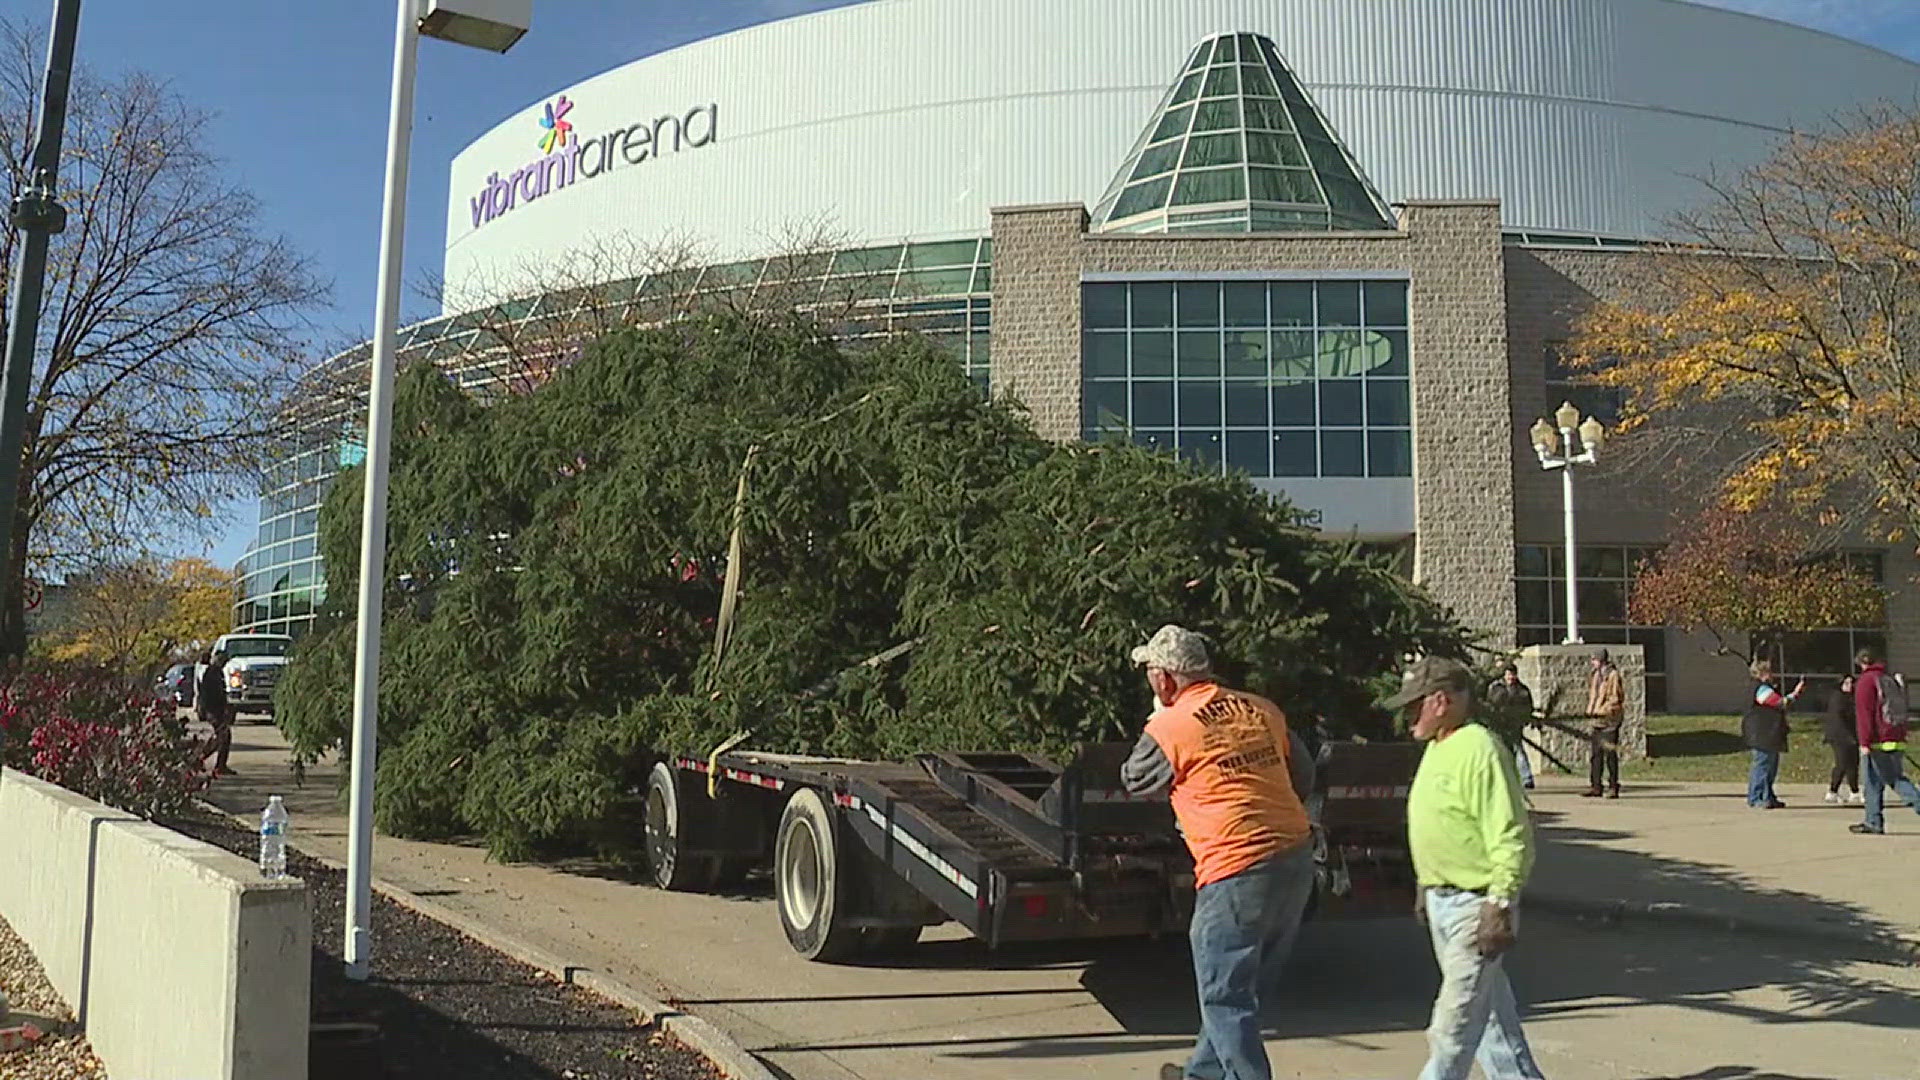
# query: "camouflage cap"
[[1428, 674], [1175, 649]]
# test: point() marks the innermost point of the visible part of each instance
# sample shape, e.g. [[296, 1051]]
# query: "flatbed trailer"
[[1013, 847]]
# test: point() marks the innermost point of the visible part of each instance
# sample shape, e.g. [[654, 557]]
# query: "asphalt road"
[[1602, 1002]]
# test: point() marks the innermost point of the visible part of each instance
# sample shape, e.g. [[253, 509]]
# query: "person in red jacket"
[[1880, 720]]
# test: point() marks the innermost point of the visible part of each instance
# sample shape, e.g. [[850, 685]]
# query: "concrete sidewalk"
[[1696, 853], [1696, 1003]]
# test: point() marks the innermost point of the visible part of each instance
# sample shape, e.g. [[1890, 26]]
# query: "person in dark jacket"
[[1838, 732], [1764, 728], [1509, 697], [210, 703]]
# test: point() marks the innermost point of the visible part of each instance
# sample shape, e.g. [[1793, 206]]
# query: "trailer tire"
[[810, 879], [673, 820]]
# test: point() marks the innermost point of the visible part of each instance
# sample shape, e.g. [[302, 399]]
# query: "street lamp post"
[[1554, 444], [487, 24]]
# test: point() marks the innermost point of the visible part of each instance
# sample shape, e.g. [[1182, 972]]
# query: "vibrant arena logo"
[[568, 159]]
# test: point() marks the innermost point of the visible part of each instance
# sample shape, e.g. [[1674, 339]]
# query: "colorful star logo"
[[554, 120]]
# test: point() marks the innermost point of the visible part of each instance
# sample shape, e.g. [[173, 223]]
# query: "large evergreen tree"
[[918, 571]]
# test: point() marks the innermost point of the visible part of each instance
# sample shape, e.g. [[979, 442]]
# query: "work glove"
[[1494, 934]]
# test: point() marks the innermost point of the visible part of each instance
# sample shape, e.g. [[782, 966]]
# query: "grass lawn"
[[1709, 748]]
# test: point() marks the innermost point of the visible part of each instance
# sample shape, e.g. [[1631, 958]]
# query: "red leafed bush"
[[80, 729]]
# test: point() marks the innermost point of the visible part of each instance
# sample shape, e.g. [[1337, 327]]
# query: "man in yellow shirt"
[[1472, 848]]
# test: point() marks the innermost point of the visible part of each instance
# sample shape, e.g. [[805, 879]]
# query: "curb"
[[699, 1035], [1901, 946]]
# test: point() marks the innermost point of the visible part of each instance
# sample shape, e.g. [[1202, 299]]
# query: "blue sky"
[[301, 102]]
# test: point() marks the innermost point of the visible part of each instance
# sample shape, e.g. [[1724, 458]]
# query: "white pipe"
[[373, 532], [1573, 577]]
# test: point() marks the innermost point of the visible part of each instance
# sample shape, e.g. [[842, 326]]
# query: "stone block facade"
[[1450, 252], [1559, 675]]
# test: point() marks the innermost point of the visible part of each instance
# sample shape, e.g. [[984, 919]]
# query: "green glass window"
[[1189, 87], [1139, 198], [1244, 303], [1264, 148], [1217, 115], [1388, 403], [1245, 353], [1227, 52], [1198, 354], [1156, 160], [1257, 82], [1152, 354], [1284, 185], [1199, 303], [1173, 124], [1152, 304], [1222, 81], [1389, 453], [1211, 186], [1205, 150], [1385, 303], [943, 253], [1106, 355], [1104, 306]]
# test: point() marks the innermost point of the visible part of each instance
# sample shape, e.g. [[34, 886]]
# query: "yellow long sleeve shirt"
[[1467, 821]]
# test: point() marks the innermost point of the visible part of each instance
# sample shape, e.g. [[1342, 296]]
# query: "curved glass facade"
[[941, 289]]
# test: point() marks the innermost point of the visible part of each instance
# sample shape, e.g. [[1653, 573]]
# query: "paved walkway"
[[1655, 1001]]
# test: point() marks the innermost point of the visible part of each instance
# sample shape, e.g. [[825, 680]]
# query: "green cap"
[[1428, 674]]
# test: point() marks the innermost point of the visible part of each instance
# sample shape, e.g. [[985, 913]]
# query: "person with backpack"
[[1880, 721]]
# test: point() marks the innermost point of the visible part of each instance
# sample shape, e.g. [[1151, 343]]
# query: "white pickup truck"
[[254, 664]]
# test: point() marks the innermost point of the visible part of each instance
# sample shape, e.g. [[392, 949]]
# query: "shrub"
[[79, 728]]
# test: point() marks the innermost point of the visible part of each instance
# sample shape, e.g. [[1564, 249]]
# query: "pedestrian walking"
[[1880, 724], [211, 707], [1606, 712], [1510, 698], [1472, 845], [1236, 773], [1837, 731], [1764, 730]]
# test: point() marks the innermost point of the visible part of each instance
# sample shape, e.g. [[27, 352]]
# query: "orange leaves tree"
[[1789, 322], [1748, 580]]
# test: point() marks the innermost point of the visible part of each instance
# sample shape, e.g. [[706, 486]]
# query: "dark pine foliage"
[[557, 563]]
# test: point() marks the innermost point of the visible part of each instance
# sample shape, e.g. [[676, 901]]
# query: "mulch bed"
[[447, 1006]]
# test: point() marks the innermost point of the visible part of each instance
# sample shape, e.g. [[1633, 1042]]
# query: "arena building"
[[1331, 244]]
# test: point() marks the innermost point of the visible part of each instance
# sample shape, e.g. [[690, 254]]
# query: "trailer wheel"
[[810, 880], [671, 823]]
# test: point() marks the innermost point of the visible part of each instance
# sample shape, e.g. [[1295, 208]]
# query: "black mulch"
[[447, 1006]]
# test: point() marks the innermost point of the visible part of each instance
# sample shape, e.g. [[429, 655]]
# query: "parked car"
[[254, 664], [175, 685]]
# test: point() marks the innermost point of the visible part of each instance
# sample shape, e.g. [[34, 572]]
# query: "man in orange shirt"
[[1237, 775]]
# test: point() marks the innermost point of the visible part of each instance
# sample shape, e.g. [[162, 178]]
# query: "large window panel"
[[1264, 378]]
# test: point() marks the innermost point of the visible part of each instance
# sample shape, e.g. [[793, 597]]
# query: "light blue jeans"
[[1881, 770], [1760, 778], [1241, 932], [1475, 1016]]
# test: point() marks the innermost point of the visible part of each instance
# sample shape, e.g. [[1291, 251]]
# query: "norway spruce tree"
[[917, 571]]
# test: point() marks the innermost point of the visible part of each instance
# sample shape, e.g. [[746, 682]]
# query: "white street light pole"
[[488, 24], [1556, 450]]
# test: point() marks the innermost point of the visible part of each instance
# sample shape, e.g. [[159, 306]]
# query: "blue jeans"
[[1881, 770], [1766, 767], [1475, 1017], [1242, 929]]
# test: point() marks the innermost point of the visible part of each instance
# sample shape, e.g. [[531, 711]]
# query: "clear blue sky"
[[300, 93]]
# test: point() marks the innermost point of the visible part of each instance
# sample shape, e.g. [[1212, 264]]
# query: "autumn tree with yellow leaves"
[[137, 615], [168, 327], [1790, 319]]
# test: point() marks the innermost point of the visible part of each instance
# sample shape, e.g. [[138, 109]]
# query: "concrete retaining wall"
[[181, 963]]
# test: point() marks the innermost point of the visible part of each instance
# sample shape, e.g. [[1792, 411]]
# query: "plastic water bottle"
[[274, 824]]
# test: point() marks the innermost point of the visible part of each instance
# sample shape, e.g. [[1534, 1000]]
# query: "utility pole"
[[36, 215]]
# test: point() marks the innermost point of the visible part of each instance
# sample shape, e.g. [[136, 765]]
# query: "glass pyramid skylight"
[[1237, 146]]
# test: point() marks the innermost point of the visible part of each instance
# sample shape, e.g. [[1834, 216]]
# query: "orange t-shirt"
[[1231, 789]]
